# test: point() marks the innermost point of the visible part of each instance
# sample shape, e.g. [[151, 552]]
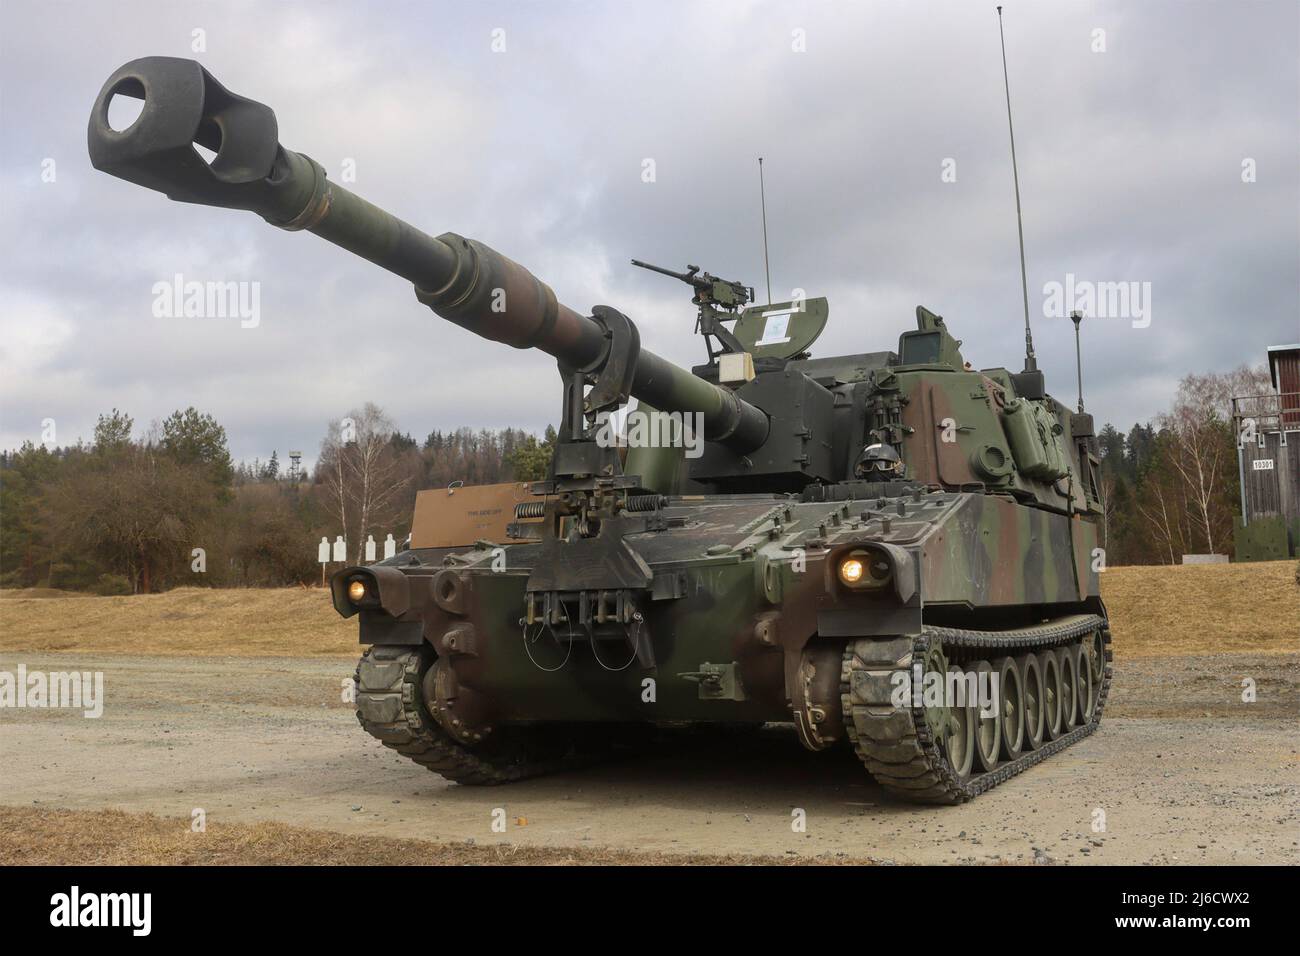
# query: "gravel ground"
[[1181, 771]]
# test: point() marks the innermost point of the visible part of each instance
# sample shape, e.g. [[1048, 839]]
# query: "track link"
[[391, 709], [895, 741]]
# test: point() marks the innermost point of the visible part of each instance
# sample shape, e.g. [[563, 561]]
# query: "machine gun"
[[719, 301]]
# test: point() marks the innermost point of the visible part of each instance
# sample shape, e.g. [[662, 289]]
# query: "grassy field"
[[1155, 611], [281, 622], [31, 836], [1203, 608]]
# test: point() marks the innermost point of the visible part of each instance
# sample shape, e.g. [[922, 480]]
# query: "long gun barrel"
[[688, 276], [462, 280]]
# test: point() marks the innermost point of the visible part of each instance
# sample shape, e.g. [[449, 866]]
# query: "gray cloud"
[[1130, 170]]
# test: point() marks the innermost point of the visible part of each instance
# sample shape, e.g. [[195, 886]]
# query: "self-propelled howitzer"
[[890, 549]]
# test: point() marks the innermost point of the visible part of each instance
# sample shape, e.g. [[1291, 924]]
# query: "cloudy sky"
[[1134, 122]]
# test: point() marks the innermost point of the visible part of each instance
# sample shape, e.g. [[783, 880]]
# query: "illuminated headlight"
[[375, 590], [864, 568], [851, 571]]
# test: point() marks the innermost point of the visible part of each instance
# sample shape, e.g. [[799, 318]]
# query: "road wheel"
[[959, 740], [988, 729], [936, 713], [1067, 663], [1085, 689], [1052, 723], [1011, 706], [1031, 693], [1098, 645]]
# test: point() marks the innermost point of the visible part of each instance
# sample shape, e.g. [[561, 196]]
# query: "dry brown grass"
[[1203, 609], [1155, 611], [35, 836], [280, 622], [41, 593]]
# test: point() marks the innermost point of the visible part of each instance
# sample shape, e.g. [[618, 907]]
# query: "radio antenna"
[[1031, 363], [762, 195], [1076, 318]]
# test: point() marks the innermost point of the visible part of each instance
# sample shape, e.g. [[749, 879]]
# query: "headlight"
[[864, 569], [851, 571], [375, 589]]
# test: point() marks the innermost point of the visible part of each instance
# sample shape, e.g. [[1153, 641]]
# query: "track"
[[390, 708], [907, 746], [914, 750]]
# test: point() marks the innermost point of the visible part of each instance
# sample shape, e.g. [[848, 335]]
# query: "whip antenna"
[[1076, 318], [1031, 364], [762, 195]]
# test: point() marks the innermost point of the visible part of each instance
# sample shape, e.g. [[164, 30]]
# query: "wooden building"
[[1268, 459]]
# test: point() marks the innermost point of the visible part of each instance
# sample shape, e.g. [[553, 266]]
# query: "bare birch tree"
[[1200, 453], [363, 472]]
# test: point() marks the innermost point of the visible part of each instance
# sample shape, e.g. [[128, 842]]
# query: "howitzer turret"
[[856, 529]]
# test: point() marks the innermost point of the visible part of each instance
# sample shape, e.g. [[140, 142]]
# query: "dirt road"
[[1181, 768]]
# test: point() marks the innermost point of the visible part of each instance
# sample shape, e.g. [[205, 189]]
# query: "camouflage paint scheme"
[[724, 567], [979, 557]]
